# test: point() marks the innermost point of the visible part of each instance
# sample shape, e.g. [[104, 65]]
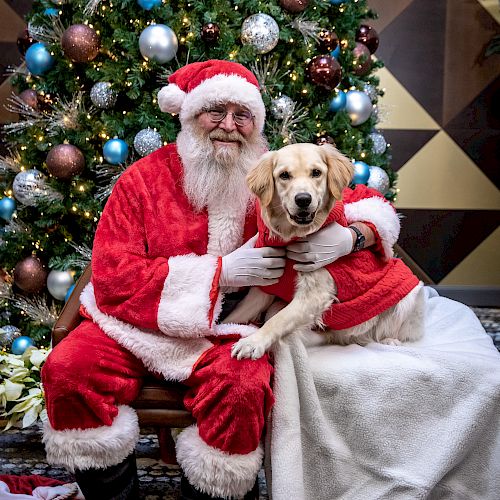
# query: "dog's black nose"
[[303, 200]]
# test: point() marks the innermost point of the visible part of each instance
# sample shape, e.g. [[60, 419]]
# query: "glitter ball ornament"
[[378, 179], [368, 37], [325, 139], [362, 60], [370, 90], [379, 143], [58, 283], [261, 31], [29, 187], [210, 32], [7, 335], [282, 106], [103, 96], [158, 42], [324, 71], [294, 6], [146, 141], [358, 107], [30, 274], [80, 43], [20, 344], [29, 97], [328, 40], [65, 161]]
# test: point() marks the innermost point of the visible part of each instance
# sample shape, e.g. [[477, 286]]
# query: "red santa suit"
[[368, 283], [152, 307]]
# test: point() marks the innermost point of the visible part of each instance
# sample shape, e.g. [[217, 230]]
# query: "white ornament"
[[261, 31], [146, 141], [282, 106], [58, 283], [29, 187], [103, 96], [378, 179], [379, 143]]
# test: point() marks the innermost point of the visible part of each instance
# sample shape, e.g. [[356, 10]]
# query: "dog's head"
[[300, 182]]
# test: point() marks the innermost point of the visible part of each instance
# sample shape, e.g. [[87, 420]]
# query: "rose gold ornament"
[[362, 59], [368, 36], [328, 40], [324, 71], [65, 161], [80, 43], [294, 6], [325, 139], [210, 32], [30, 274], [29, 97]]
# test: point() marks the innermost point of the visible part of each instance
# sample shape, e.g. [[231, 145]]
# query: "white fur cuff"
[[213, 471], [97, 448], [186, 309], [380, 213]]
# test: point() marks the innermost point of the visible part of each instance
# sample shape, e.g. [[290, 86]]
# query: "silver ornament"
[[370, 90], [58, 283], [378, 179], [29, 187], [7, 334], [261, 31], [146, 141], [379, 143], [282, 106], [103, 96], [358, 107], [158, 42]]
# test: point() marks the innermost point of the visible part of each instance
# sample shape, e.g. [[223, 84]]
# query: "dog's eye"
[[284, 176], [315, 172]]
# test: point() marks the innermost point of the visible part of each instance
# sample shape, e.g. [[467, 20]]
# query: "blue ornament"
[[336, 52], [50, 11], [20, 344], [338, 102], [7, 207], [338, 2], [149, 4], [68, 293], [38, 59], [115, 151], [361, 172]]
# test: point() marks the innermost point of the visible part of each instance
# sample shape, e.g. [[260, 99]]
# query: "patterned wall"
[[441, 114]]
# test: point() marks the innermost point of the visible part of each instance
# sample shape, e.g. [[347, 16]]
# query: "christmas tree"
[[86, 98]]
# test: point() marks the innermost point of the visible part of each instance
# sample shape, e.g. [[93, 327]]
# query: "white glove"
[[321, 248], [248, 266]]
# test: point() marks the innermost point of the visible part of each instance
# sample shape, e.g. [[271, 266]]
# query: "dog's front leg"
[[315, 292]]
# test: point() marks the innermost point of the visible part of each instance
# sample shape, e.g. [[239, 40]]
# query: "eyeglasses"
[[241, 118]]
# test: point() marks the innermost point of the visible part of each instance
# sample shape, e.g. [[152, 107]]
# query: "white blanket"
[[421, 421]]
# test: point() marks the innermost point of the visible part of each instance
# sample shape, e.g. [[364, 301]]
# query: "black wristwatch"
[[359, 244]]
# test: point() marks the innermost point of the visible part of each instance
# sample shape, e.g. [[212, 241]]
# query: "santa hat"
[[198, 85]]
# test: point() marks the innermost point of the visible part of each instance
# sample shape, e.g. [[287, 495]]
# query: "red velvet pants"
[[88, 375]]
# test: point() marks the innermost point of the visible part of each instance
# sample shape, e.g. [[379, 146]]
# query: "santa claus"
[[168, 254]]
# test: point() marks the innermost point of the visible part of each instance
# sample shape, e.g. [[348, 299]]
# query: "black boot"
[[117, 482], [189, 492]]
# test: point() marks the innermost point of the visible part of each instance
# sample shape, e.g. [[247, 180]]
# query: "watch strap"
[[359, 244]]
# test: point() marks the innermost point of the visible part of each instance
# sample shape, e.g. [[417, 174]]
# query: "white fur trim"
[[171, 357], [232, 328], [99, 448], [213, 471], [221, 89], [185, 304], [380, 213], [171, 98]]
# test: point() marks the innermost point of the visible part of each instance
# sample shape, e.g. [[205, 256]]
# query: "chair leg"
[[167, 446]]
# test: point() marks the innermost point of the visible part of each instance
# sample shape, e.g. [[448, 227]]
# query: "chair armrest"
[[70, 316]]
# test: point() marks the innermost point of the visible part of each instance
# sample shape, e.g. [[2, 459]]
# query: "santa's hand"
[[321, 248], [248, 266]]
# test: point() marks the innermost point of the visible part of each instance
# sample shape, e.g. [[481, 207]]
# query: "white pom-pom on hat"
[[171, 98]]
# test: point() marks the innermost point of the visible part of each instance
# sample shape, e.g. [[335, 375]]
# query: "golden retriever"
[[297, 186]]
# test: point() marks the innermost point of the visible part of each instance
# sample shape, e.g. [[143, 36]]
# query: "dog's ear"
[[340, 170], [260, 179]]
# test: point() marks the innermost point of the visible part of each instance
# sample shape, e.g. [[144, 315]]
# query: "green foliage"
[[53, 226]]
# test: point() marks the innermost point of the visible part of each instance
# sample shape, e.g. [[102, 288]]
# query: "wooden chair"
[[159, 405]]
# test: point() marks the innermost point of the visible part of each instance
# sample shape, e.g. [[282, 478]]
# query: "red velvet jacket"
[[367, 283]]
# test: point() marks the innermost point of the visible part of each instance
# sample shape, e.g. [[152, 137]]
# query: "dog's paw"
[[248, 348], [390, 341]]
